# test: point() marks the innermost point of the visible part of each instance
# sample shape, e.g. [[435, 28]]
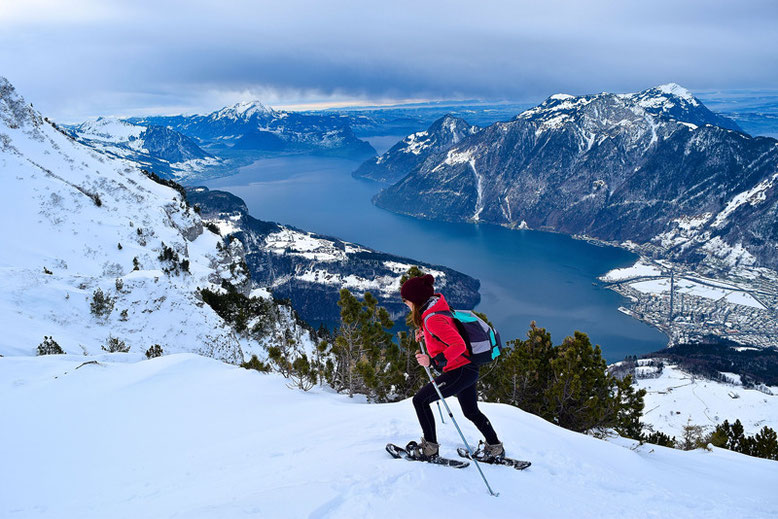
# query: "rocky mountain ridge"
[[410, 153], [651, 168], [256, 127]]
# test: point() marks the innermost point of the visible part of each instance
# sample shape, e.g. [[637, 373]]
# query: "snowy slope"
[[74, 221], [675, 398], [186, 436]]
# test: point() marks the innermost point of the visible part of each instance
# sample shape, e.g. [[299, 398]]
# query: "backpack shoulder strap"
[[457, 325], [439, 312]]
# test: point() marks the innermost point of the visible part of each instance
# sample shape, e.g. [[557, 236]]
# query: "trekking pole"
[[450, 415]]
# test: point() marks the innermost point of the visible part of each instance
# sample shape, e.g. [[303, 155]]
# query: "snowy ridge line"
[[135, 241]]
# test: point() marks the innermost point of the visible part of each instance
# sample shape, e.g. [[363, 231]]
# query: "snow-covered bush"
[[101, 304], [114, 345], [154, 352], [49, 347]]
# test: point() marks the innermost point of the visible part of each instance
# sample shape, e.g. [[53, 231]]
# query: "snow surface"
[[417, 142], [187, 436], [753, 196], [677, 398], [637, 270], [688, 286], [110, 129], [677, 90]]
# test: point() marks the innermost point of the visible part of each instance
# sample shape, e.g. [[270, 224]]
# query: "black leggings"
[[460, 382]]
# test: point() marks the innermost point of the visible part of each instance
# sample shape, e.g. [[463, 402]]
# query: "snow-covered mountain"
[[161, 149], [310, 269], [655, 167], [252, 126], [411, 152], [77, 224], [185, 436], [675, 102]]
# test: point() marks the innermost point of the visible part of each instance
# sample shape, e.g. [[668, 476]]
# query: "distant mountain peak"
[[676, 90], [245, 110], [669, 101]]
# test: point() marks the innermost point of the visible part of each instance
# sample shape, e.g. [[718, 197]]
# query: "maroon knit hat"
[[417, 290]]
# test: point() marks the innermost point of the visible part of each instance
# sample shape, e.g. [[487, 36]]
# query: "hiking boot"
[[424, 450], [493, 450]]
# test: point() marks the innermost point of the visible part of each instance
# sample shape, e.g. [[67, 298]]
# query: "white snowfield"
[[676, 398], [187, 436], [651, 279]]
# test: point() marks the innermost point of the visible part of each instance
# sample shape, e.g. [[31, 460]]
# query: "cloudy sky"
[[82, 58]]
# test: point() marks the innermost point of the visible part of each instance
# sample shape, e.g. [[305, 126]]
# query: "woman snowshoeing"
[[447, 352]]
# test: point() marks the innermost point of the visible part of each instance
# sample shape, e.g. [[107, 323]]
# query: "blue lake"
[[525, 275]]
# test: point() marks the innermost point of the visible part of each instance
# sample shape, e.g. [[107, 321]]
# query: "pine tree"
[[363, 348], [765, 444], [630, 405], [693, 437], [568, 384], [101, 304], [580, 390], [522, 373], [736, 440], [256, 364], [154, 351], [720, 436]]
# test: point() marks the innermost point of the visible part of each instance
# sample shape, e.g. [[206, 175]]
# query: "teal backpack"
[[483, 342]]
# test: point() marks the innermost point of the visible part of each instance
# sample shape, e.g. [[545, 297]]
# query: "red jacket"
[[445, 346]]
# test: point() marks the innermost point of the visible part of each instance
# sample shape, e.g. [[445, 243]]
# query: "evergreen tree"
[[101, 304], [408, 376], [522, 373], [256, 364], [115, 345], [736, 440], [630, 404], [580, 389], [568, 384], [720, 436], [765, 444], [363, 348]]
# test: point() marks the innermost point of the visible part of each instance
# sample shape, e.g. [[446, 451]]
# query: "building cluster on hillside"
[[694, 316]]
